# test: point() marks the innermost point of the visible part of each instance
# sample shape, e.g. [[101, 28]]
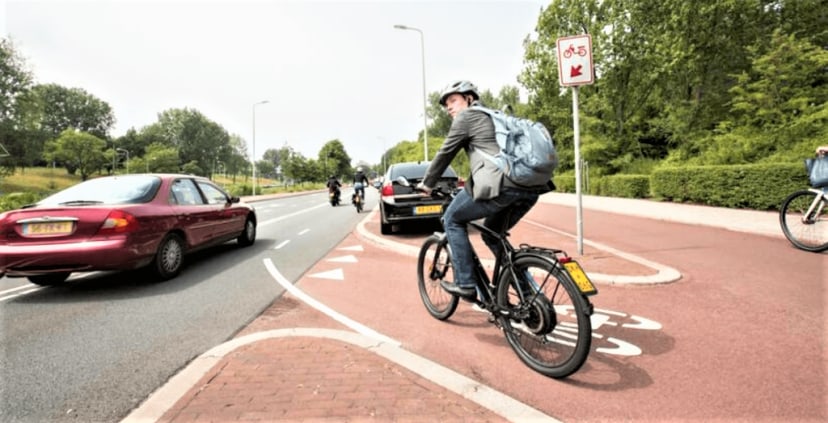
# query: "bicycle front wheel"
[[549, 324], [434, 265], [805, 230]]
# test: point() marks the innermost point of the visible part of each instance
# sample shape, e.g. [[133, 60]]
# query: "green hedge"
[[627, 186], [756, 186]]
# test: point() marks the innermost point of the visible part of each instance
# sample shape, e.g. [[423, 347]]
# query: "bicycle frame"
[[486, 286], [815, 209]]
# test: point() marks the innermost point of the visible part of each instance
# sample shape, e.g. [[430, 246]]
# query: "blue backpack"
[[527, 153]]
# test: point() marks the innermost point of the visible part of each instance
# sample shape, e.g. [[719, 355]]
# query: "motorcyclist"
[[360, 181], [334, 185]]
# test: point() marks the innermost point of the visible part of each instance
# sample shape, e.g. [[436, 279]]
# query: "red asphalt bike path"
[[739, 337]]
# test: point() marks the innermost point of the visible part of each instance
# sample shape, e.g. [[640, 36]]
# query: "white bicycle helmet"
[[459, 87]]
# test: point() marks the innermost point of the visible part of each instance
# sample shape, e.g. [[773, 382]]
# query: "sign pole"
[[579, 219], [574, 69]]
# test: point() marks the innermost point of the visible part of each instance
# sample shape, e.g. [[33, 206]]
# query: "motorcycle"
[[333, 196]]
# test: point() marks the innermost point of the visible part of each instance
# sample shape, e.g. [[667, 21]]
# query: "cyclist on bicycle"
[[487, 193], [360, 181]]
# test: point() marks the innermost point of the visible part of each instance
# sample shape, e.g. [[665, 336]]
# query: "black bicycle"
[[538, 296], [356, 200]]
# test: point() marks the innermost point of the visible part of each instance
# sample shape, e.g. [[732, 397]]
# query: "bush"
[[626, 186], [759, 186], [17, 200]]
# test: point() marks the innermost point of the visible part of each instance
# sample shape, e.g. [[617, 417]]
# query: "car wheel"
[[49, 279], [385, 228], [248, 236], [170, 257]]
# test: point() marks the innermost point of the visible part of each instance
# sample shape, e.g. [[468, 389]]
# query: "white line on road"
[[29, 291], [298, 293], [304, 232], [282, 244]]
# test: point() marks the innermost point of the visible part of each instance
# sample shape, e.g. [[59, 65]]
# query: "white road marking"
[[298, 293], [282, 244], [303, 232], [335, 274], [19, 294], [352, 248], [344, 259]]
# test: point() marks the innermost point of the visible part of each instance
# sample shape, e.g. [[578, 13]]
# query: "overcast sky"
[[329, 69]]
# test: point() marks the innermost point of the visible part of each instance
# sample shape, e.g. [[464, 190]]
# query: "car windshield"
[[417, 171], [109, 190]]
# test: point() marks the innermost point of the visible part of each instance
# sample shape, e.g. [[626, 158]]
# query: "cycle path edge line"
[[664, 274]]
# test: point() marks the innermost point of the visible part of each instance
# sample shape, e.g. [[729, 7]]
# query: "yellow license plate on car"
[[435, 209], [580, 278], [47, 228]]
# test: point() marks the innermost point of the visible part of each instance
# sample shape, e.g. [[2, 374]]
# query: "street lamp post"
[[253, 159], [425, 99], [127, 158]]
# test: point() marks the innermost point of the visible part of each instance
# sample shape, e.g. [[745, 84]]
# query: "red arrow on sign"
[[575, 71]]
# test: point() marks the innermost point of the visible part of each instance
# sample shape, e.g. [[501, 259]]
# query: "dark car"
[[119, 223], [400, 203]]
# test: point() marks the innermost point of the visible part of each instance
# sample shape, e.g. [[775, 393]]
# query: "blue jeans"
[[360, 188], [463, 209]]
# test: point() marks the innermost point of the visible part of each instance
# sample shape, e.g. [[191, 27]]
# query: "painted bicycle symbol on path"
[[607, 319]]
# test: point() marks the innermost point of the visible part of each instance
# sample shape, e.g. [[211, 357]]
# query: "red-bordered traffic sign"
[[575, 60]]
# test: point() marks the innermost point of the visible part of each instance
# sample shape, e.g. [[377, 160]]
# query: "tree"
[[78, 151], [196, 138], [15, 82], [333, 159], [62, 108], [235, 160]]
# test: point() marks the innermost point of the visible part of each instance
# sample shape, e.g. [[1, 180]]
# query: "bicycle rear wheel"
[[434, 265], [808, 232], [549, 328]]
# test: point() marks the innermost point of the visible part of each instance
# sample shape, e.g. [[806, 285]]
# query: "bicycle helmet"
[[459, 87]]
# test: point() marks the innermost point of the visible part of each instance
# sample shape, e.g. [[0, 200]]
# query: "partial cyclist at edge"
[[488, 194]]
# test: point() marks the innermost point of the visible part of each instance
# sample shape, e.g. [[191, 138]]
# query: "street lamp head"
[[400, 27]]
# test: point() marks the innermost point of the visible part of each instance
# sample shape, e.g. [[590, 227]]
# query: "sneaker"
[[466, 293]]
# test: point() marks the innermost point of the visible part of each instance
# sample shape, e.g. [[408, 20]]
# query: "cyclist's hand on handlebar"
[[422, 188]]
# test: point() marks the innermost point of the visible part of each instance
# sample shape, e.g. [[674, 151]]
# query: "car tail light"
[[3, 221], [461, 182], [387, 190], [118, 222]]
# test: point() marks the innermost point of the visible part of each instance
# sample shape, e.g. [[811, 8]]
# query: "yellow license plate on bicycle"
[[580, 278]]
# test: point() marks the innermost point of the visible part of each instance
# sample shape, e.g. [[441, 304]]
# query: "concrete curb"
[[164, 398], [737, 220], [664, 274]]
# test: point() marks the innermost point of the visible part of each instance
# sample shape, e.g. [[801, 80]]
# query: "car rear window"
[[417, 171], [108, 190]]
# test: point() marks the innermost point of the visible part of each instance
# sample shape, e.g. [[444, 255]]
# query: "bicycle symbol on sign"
[[581, 51]]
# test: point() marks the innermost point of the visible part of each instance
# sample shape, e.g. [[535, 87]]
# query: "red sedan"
[[119, 223]]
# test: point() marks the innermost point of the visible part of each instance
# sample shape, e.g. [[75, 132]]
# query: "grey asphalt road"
[[93, 349]]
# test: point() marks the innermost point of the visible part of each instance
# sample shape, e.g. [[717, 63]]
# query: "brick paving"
[[302, 379]]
